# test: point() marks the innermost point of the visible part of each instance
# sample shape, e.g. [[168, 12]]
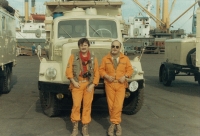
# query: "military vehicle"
[[7, 45], [65, 23], [182, 57]]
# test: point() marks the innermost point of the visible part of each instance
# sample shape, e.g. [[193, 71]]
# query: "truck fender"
[[170, 70]]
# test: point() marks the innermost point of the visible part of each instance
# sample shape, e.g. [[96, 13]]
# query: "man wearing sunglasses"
[[115, 68], [83, 73]]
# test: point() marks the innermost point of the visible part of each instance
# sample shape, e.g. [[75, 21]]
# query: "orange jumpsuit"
[[115, 91], [81, 93]]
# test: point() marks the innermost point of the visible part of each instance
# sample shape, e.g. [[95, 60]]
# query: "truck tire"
[[188, 57], [134, 102], [6, 81], [199, 81], [165, 77], [198, 78], [50, 104]]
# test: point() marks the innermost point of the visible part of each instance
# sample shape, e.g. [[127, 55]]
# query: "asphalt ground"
[[167, 111]]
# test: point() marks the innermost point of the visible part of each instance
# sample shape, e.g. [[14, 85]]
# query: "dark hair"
[[82, 40], [117, 41]]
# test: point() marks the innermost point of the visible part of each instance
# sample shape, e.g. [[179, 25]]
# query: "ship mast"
[[33, 6], [26, 11], [158, 10], [165, 17]]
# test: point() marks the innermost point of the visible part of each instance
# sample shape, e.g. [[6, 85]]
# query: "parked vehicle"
[[7, 45], [129, 50], [182, 57], [99, 21]]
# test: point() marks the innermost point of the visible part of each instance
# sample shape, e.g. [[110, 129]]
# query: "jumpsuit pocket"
[[109, 67], [121, 66]]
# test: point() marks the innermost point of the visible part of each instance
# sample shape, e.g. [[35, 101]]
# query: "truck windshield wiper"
[[95, 31], [66, 32]]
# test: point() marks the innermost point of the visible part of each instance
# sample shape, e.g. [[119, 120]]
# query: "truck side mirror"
[[38, 33]]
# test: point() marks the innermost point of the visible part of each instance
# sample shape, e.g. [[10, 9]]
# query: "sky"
[[129, 8]]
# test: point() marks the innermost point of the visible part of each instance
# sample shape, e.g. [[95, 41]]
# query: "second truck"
[[182, 57]]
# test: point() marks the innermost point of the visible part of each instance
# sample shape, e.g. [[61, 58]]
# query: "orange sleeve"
[[96, 72], [129, 68], [69, 71], [102, 68]]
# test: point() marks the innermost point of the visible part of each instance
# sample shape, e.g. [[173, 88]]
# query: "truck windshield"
[[71, 29], [102, 28]]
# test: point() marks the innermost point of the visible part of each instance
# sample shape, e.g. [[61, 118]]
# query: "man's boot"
[[75, 129], [118, 130], [111, 130], [85, 130]]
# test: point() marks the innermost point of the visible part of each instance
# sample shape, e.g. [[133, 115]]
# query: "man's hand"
[[76, 84], [122, 79], [90, 88], [109, 78]]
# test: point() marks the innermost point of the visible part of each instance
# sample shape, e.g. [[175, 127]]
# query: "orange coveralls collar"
[[111, 70]]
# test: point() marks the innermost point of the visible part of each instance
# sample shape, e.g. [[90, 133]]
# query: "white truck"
[[65, 23], [7, 45], [182, 57]]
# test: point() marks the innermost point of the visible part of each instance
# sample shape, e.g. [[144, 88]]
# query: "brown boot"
[[75, 129], [118, 130], [85, 130], [111, 130]]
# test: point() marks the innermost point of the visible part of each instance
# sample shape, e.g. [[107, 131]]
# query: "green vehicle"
[[129, 50]]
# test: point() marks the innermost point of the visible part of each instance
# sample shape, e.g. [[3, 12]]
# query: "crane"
[[164, 24]]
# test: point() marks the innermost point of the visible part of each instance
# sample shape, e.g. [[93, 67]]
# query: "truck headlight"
[[135, 70], [51, 73], [133, 86]]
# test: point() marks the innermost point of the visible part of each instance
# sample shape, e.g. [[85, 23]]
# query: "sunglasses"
[[113, 46]]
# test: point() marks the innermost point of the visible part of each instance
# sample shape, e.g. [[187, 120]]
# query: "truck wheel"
[[188, 58], [5, 81], [134, 102], [165, 78], [198, 78], [199, 81], [49, 103]]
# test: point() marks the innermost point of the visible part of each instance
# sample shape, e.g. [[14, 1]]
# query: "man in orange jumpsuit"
[[115, 68], [83, 73]]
